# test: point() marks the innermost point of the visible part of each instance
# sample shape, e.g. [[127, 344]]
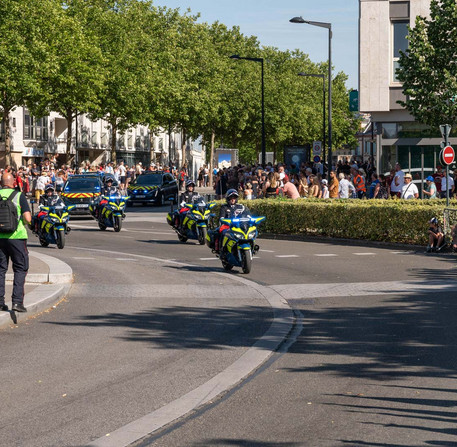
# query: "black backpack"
[[9, 219]]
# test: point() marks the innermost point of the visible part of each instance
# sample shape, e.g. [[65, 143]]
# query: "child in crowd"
[[435, 236], [248, 191]]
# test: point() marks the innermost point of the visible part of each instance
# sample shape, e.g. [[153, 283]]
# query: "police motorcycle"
[[195, 223], [109, 211], [235, 245], [51, 224]]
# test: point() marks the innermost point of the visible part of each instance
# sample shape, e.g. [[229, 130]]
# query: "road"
[[371, 361]]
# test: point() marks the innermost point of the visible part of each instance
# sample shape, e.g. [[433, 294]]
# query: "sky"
[[269, 21]]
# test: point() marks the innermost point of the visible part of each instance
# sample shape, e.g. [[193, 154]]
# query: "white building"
[[382, 34]]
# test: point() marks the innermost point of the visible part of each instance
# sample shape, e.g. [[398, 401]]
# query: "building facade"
[[33, 139], [383, 28]]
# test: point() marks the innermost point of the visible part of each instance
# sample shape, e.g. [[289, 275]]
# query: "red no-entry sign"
[[448, 155]]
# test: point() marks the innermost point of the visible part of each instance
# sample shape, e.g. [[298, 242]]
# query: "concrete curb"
[[58, 283]]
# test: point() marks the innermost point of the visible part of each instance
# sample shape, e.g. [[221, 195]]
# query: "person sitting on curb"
[[435, 236]]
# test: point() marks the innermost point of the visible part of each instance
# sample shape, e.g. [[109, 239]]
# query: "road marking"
[[267, 251], [364, 254], [287, 256], [325, 255], [256, 355], [209, 259]]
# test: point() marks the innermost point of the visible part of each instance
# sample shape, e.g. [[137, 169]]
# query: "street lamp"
[[312, 75], [258, 59], [329, 27]]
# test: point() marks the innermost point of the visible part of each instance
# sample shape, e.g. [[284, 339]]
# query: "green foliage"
[[428, 68], [402, 221]]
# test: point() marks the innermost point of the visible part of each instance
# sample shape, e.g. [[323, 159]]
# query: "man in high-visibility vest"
[[14, 245], [359, 183]]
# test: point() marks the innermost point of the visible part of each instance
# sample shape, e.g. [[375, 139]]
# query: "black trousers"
[[16, 250]]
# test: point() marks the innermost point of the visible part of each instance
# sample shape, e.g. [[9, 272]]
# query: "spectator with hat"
[[430, 188], [409, 190], [435, 236]]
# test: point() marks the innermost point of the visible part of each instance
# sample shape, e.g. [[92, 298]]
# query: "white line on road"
[[209, 259], [287, 256], [267, 251], [325, 255], [364, 254]]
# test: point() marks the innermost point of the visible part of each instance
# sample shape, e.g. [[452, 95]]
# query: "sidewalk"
[[48, 281]]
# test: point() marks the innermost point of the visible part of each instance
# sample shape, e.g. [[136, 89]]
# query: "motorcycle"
[[238, 243], [54, 225], [110, 214], [195, 224]]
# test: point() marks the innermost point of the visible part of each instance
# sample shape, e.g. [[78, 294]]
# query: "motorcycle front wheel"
[[117, 224], [246, 261], [60, 239], [202, 236]]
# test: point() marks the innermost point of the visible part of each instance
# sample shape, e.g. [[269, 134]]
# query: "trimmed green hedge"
[[404, 221]]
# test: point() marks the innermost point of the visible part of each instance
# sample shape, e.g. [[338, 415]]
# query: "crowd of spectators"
[[349, 179]]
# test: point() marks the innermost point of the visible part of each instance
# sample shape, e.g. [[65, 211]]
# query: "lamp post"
[[329, 27], [312, 75], [258, 59]]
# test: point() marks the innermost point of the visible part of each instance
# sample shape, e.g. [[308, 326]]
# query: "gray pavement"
[[373, 362]]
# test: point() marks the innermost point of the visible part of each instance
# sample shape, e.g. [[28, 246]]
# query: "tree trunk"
[[6, 120], [184, 146], [113, 139], [211, 160], [69, 118], [170, 161]]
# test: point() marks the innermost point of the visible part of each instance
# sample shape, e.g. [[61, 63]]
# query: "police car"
[[153, 187], [81, 191]]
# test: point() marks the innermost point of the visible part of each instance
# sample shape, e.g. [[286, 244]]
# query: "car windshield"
[[149, 179], [82, 185]]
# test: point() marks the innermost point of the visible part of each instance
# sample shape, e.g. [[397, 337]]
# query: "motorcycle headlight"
[[54, 219], [238, 235], [251, 235]]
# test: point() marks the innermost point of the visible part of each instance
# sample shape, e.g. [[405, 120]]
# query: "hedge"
[[404, 221]]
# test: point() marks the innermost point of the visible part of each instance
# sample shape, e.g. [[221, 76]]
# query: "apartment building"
[[33, 139], [383, 27]]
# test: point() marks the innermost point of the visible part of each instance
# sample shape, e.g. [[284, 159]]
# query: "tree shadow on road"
[[387, 340], [186, 327]]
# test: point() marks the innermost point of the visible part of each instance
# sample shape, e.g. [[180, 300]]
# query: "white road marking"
[[209, 259], [364, 254], [287, 256], [325, 255], [267, 251]]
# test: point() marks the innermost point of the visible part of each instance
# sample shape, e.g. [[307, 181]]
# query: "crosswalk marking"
[[364, 254], [325, 255], [267, 251], [208, 259]]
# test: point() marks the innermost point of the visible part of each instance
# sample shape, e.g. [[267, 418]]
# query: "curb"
[[58, 283]]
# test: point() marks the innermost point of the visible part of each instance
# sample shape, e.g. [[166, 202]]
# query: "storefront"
[[32, 155], [133, 157]]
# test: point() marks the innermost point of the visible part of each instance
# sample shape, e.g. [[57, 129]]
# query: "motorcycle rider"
[[107, 190], [228, 211], [49, 198], [188, 196]]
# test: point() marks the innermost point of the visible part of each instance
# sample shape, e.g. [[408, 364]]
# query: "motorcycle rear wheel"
[[43, 242], [101, 226], [60, 238], [117, 224], [182, 239], [226, 266], [246, 261]]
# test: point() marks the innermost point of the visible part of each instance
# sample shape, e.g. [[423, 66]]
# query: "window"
[[130, 141], [399, 43], [35, 128], [93, 139], [104, 139]]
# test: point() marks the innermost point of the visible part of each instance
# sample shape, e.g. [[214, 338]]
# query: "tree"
[[24, 31], [428, 68], [74, 80]]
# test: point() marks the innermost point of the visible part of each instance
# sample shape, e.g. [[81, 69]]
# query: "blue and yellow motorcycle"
[[195, 223], [238, 245], [54, 225], [110, 212]]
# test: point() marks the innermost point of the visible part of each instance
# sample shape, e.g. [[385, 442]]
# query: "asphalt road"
[[373, 365]]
